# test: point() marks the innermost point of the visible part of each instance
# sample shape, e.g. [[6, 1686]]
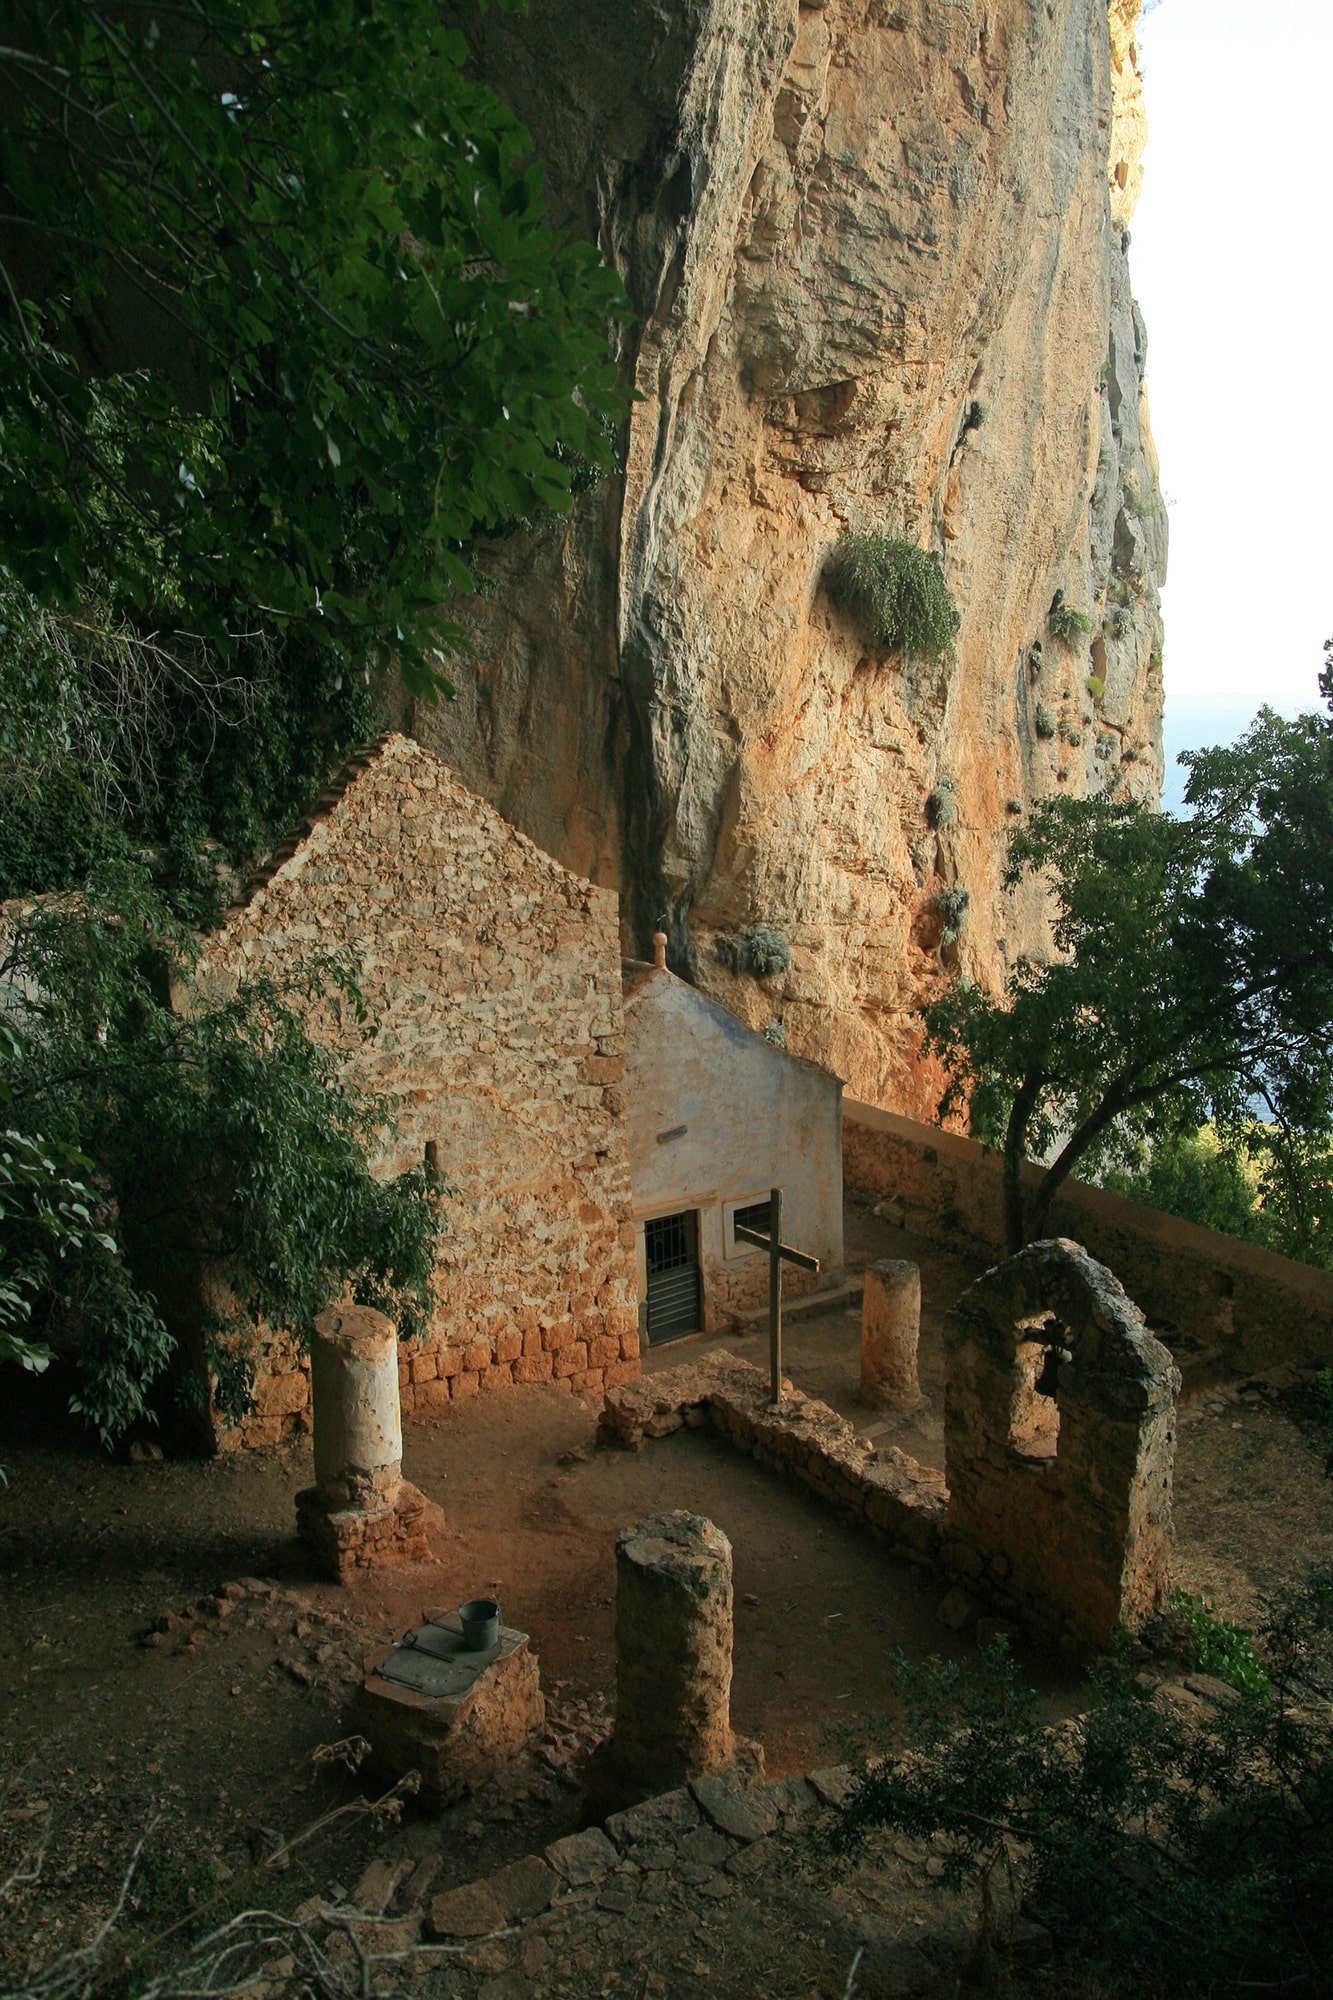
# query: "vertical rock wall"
[[876, 249]]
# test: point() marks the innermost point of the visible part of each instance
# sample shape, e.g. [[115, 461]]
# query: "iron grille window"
[[666, 1240], [757, 1215]]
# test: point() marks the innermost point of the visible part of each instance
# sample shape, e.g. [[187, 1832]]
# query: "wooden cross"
[[778, 1254]]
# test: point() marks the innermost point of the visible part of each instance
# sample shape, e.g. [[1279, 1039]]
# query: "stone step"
[[811, 1305]]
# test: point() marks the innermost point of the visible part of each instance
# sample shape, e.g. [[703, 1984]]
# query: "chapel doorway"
[[675, 1295]]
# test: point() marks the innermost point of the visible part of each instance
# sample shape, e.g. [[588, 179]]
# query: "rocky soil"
[[170, 1673]]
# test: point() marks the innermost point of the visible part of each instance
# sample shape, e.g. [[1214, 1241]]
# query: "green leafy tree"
[[1191, 974], [282, 325], [220, 1139], [1199, 1177], [1260, 1182]]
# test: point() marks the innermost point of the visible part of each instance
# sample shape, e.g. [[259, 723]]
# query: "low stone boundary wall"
[[1223, 1307], [900, 1502]]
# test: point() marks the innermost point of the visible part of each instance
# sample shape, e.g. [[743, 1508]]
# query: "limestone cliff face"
[[843, 227]]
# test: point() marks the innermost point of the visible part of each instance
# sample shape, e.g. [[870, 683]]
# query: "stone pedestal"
[[890, 1331], [360, 1513], [673, 1651], [428, 1704]]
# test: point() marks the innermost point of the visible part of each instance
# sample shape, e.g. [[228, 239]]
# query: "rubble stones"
[[582, 1858], [745, 1812], [885, 1491]]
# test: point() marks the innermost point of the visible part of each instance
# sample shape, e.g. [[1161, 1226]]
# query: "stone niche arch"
[[1059, 1439]]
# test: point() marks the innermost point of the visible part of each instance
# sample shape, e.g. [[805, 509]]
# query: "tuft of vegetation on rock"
[[758, 950], [951, 906], [1044, 722], [895, 593], [941, 805], [1066, 623]]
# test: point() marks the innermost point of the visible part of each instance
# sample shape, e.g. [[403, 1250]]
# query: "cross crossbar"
[[744, 1234]]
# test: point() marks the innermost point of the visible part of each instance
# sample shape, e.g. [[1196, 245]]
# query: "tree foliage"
[[114, 743], [1191, 974], [1257, 1182], [219, 1137], [281, 322]]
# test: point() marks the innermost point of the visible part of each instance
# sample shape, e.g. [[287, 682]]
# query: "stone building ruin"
[[491, 977], [1059, 1441]]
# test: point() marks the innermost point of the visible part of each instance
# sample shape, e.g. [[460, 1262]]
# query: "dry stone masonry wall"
[[491, 976], [1059, 1426], [1224, 1308]]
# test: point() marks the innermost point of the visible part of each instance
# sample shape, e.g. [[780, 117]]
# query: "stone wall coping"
[[1169, 1232]]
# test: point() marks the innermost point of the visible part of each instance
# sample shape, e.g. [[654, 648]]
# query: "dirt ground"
[[138, 1703]]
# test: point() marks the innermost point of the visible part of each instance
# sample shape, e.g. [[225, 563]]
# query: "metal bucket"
[[480, 1618]]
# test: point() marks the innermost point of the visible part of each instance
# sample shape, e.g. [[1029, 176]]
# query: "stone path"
[[714, 1890]]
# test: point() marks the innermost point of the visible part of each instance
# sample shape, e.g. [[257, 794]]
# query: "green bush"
[[1065, 623], [1219, 1647], [1044, 722], [895, 593], [941, 805], [1166, 1851], [951, 907], [757, 949], [1193, 1175]]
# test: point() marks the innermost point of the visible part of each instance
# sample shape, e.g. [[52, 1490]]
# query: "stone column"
[[673, 1651], [360, 1513], [890, 1330], [357, 1411]]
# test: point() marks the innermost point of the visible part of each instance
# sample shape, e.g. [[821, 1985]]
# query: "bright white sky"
[[1231, 256]]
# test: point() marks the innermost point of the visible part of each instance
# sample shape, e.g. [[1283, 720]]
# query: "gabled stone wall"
[[1059, 1429], [492, 979]]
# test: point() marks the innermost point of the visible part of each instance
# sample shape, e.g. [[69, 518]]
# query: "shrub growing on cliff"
[[895, 593], [1192, 973], [942, 804], [950, 906], [1065, 622], [225, 1136], [758, 950]]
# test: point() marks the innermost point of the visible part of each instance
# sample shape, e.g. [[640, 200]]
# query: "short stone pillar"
[[429, 1704], [360, 1513], [890, 1331], [673, 1651]]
